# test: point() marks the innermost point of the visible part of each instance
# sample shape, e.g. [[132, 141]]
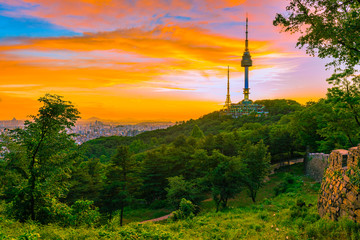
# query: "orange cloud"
[[114, 67], [173, 43], [161, 62]]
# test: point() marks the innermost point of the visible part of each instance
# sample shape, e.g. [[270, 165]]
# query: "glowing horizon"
[[147, 60]]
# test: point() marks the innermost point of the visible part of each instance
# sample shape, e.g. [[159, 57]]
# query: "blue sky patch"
[[27, 26], [30, 27]]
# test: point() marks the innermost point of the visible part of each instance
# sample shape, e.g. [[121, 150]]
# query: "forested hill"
[[210, 124]]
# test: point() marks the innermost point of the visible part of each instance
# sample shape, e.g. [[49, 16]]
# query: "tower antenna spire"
[[247, 41]]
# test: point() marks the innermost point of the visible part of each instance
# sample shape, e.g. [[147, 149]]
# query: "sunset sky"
[[147, 60]]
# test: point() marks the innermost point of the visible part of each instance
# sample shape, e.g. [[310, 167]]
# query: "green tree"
[[179, 188], [198, 165], [304, 125], [155, 172], [279, 106], [345, 96], [137, 146], [338, 128], [196, 132], [122, 181], [324, 125], [39, 169], [257, 166], [328, 28], [86, 181], [281, 141], [225, 179], [209, 143]]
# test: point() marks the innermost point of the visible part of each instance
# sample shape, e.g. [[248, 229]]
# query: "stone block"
[[346, 178], [333, 210], [356, 204], [351, 197], [343, 213], [357, 212], [351, 212]]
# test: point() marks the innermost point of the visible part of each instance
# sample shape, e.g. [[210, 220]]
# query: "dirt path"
[[282, 164], [157, 219]]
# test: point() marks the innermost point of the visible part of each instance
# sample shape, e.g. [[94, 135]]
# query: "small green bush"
[[179, 188], [30, 235], [83, 213], [186, 210], [288, 185]]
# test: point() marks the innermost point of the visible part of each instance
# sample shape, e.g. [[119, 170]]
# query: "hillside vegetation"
[[211, 125], [211, 173], [289, 212]]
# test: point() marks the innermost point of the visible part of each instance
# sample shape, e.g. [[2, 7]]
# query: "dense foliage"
[[290, 215], [214, 159], [329, 29], [36, 167]]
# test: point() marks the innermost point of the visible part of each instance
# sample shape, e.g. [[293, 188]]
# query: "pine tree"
[[122, 181]]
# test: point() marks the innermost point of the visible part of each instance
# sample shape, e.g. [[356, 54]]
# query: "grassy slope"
[[270, 218]]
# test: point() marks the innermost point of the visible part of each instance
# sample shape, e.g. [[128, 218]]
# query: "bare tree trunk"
[[253, 196], [121, 215], [306, 158]]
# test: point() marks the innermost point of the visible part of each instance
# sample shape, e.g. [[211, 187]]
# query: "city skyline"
[[154, 60]]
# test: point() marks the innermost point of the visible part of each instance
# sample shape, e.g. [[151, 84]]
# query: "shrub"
[[289, 184], [179, 188], [186, 210], [83, 213], [30, 235], [80, 213]]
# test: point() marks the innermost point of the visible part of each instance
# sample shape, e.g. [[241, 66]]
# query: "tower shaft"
[[246, 88]]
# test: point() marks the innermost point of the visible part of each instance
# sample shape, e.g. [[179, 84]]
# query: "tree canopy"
[[329, 29], [36, 175]]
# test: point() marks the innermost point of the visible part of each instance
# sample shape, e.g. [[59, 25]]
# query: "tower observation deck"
[[246, 62]]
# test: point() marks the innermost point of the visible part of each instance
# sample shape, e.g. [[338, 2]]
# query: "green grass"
[[272, 217], [243, 200]]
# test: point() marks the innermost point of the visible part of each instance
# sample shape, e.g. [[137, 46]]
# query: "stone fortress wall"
[[316, 165], [339, 193]]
